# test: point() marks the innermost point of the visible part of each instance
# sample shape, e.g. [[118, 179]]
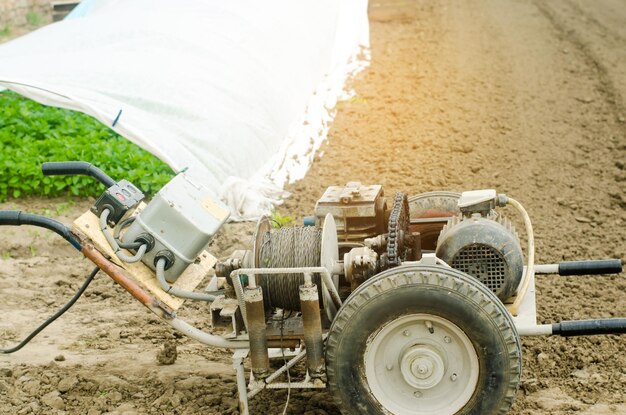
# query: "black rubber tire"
[[431, 289]]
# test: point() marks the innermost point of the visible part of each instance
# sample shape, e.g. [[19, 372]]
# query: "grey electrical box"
[[182, 217]]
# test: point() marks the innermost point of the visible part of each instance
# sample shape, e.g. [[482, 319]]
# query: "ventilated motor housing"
[[485, 247]]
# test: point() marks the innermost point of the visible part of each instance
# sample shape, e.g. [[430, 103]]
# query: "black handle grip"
[[19, 218], [72, 168], [10, 217], [602, 266], [590, 327]]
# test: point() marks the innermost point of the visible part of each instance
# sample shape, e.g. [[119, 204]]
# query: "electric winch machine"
[[409, 306]]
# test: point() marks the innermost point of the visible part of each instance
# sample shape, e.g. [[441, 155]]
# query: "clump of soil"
[[168, 355]]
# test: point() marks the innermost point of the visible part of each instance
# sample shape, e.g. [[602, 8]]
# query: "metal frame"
[[525, 320], [255, 386]]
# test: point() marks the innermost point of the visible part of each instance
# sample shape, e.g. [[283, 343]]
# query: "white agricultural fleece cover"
[[241, 92]]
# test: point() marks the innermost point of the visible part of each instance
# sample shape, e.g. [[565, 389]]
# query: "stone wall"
[[20, 15]]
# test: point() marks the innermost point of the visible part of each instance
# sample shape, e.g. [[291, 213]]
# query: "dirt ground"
[[527, 97]]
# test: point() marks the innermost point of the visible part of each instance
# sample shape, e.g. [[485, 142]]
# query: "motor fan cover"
[[486, 248]]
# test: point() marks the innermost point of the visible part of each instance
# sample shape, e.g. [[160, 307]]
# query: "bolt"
[[422, 369], [389, 366], [417, 394], [453, 377], [406, 333], [447, 339]]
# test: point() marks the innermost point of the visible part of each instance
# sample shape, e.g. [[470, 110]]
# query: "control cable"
[[56, 315]]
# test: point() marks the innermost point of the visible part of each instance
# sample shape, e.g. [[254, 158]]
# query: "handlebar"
[[72, 168]]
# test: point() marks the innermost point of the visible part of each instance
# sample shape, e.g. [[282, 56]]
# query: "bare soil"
[[527, 97]]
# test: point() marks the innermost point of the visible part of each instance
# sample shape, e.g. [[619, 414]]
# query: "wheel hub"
[[421, 364], [422, 367]]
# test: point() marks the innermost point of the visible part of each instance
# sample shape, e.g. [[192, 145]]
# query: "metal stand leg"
[[242, 389]]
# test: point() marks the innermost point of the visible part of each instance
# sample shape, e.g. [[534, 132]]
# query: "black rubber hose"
[[590, 327], [602, 266], [72, 168], [56, 315], [18, 218]]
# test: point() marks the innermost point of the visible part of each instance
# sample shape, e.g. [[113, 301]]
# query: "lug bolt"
[[389, 366], [453, 377], [447, 339], [417, 394], [406, 333]]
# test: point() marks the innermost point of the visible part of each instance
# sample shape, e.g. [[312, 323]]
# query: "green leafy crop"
[[278, 220], [31, 134]]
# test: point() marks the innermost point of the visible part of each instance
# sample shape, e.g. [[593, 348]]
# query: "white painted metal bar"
[[547, 269], [296, 385], [279, 372], [536, 330], [238, 358]]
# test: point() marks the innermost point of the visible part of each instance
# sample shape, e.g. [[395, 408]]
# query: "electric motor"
[[485, 247]]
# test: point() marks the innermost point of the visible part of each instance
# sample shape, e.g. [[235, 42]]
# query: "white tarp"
[[237, 91]]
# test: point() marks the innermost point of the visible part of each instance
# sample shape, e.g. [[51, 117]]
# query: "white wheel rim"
[[421, 364]]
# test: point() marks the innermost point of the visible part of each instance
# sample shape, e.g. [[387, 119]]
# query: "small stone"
[[59, 358], [175, 400], [582, 219], [530, 386], [33, 407], [543, 358], [6, 372], [115, 396], [53, 400], [67, 383], [126, 409], [585, 100], [32, 387], [115, 334]]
